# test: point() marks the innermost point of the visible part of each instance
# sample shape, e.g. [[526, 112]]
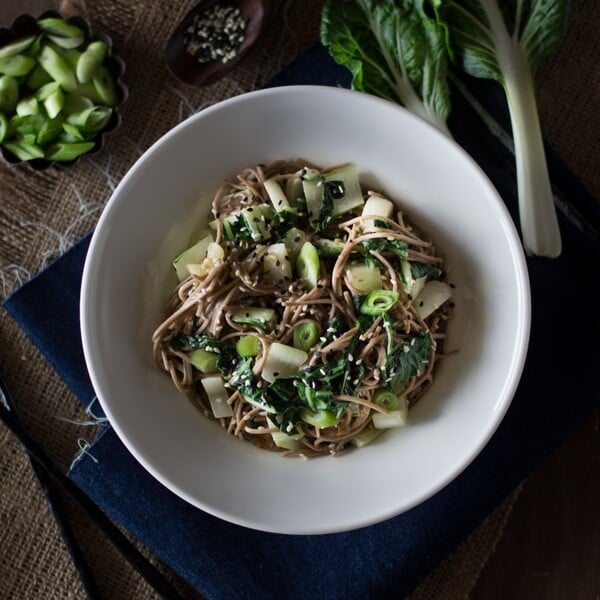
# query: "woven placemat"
[[43, 214]]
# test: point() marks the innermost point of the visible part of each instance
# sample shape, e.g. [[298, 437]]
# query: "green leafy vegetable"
[[506, 41], [407, 359], [421, 269], [394, 50], [227, 358], [379, 245]]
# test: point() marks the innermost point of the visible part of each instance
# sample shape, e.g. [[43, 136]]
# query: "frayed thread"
[[84, 449]]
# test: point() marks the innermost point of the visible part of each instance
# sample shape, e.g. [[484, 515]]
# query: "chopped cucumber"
[[276, 264], [217, 396], [282, 360], [434, 294], [193, 255], [294, 240], [276, 195], [364, 278], [214, 255], [329, 248], [308, 266], [256, 316]]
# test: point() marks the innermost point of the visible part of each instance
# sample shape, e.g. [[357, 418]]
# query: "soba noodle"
[[333, 397]]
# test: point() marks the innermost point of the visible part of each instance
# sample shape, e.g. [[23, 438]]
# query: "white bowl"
[[166, 195]]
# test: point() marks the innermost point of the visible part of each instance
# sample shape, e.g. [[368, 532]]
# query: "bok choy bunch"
[[400, 50], [506, 41]]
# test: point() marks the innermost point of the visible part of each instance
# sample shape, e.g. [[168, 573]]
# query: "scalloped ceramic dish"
[[167, 194], [25, 25]]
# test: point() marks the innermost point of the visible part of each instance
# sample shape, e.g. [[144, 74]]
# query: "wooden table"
[[551, 547]]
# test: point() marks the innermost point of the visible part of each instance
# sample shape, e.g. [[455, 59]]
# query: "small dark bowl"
[[25, 25], [187, 69]]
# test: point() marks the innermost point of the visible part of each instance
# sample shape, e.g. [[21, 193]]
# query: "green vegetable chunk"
[[9, 93], [17, 47], [386, 399], [64, 152], [204, 361], [379, 302], [308, 266], [319, 418], [305, 335], [58, 68], [16, 65], [3, 127], [248, 345]]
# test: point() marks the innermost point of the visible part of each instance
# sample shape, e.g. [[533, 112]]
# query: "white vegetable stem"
[[539, 225]]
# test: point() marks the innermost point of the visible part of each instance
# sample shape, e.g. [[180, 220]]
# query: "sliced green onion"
[[27, 125], [379, 302], [65, 152], [204, 361], [49, 131], [24, 150], [60, 28], [66, 42], [58, 68], [319, 418], [3, 127], [98, 49], [386, 399], [16, 47], [16, 65], [306, 335], [105, 86], [88, 64], [28, 106], [91, 119], [54, 103], [38, 78], [248, 345], [9, 93], [72, 134], [308, 266]]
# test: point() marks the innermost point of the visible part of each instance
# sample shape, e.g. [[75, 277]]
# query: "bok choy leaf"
[[506, 41], [394, 50]]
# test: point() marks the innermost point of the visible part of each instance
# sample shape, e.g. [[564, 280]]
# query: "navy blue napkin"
[[558, 389]]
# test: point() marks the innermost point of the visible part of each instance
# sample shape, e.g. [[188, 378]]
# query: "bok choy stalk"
[[394, 50], [506, 41]]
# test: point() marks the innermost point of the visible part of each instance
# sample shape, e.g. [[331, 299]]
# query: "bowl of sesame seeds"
[[168, 195], [214, 37]]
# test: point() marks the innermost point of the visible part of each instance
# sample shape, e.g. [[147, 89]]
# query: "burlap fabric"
[[43, 214]]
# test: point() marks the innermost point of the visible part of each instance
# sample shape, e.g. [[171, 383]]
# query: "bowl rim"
[[503, 399]]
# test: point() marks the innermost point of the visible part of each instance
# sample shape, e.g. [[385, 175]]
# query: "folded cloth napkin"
[[558, 388]]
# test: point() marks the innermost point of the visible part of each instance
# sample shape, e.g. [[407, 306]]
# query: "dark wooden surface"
[[551, 547]]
